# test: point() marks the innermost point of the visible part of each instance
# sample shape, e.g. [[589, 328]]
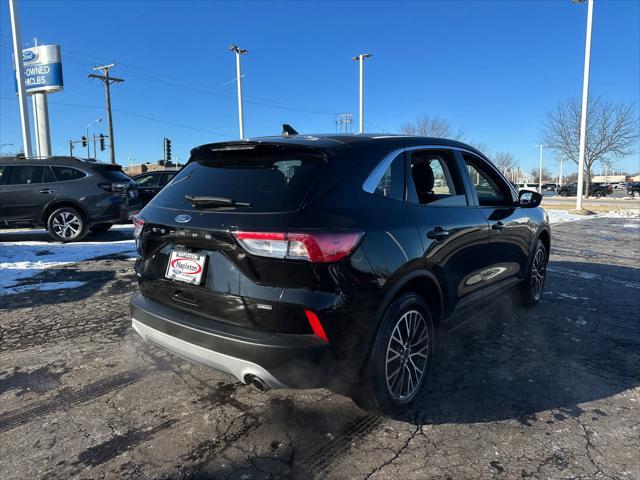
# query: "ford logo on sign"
[[183, 218], [29, 56]]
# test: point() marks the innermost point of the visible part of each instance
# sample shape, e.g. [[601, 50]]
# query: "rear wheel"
[[599, 194], [66, 224], [636, 194], [397, 364], [100, 227], [563, 193], [532, 286]]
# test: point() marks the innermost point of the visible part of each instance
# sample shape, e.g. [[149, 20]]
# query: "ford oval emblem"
[[183, 218], [29, 56]]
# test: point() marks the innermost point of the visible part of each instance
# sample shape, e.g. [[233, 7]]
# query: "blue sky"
[[491, 68]]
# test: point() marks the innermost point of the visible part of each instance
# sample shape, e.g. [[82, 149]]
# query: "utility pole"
[[108, 80], [22, 94], [585, 97], [343, 122], [360, 58], [540, 174], [239, 51]]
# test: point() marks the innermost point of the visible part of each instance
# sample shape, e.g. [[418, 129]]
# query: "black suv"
[[306, 261], [633, 189], [67, 195], [595, 190], [150, 183]]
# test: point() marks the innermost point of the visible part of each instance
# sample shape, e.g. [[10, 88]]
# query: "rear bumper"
[[280, 360]]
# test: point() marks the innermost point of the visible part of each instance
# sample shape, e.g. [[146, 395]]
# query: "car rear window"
[[267, 178]]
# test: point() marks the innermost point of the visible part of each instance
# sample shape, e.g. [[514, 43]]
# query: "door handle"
[[498, 226], [438, 234], [46, 190]]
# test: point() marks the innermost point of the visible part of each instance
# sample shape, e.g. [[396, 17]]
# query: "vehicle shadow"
[[507, 363]]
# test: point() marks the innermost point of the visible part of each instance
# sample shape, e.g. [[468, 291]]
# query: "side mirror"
[[529, 199]]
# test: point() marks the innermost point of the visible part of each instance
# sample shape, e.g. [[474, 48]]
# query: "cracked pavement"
[[552, 392]]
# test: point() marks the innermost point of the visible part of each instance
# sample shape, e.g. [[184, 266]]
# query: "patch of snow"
[[43, 287], [22, 260], [623, 213], [563, 216], [631, 225]]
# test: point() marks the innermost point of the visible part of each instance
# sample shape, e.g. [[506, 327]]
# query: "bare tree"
[[612, 129], [505, 161], [431, 127], [534, 174]]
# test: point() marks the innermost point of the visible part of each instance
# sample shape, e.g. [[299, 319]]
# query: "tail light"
[[115, 186], [313, 247], [138, 225]]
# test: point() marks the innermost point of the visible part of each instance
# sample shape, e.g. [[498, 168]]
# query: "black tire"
[[636, 194], [599, 194], [380, 390], [100, 227], [532, 287], [563, 194], [67, 224]]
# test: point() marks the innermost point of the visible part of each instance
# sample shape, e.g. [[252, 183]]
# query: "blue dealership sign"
[[42, 69]]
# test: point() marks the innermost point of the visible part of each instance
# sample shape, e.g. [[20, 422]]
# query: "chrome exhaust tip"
[[257, 382]]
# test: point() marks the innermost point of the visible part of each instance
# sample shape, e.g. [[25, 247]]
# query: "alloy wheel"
[[407, 355], [538, 271], [66, 225]]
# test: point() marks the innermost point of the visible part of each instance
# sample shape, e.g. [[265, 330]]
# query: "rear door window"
[[434, 179], [26, 174], [150, 180], [268, 178]]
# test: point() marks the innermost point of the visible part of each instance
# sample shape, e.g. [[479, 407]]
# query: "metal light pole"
[[585, 97], [542, 145], [360, 58], [239, 51], [22, 94], [97, 120]]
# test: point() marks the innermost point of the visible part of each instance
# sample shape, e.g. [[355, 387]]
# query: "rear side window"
[[391, 184], [64, 174], [26, 174], [268, 178]]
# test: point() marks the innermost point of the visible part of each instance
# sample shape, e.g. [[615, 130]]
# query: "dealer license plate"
[[186, 267]]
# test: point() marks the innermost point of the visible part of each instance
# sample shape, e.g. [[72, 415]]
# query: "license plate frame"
[[186, 267]]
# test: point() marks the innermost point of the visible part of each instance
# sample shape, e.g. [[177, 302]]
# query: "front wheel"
[[532, 286], [563, 194], [66, 224], [395, 370], [636, 194]]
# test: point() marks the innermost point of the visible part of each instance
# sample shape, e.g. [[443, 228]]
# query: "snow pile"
[[563, 216], [22, 260]]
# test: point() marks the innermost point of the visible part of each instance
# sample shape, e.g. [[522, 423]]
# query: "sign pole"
[[22, 96], [42, 124]]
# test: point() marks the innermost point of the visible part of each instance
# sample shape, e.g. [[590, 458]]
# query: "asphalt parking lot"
[[552, 392]]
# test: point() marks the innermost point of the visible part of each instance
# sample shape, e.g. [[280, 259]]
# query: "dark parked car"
[[595, 190], [67, 195], [331, 261], [633, 189], [150, 183]]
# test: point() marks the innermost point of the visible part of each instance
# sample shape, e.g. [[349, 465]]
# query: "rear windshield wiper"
[[213, 202]]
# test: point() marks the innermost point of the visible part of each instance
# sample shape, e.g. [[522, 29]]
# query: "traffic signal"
[[84, 141], [101, 142], [167, 149]]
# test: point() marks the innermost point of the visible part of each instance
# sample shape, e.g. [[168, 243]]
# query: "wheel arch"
[[63, 202], [545, 236], [423, 283]]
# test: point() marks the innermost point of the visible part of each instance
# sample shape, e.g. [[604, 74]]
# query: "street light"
[[360, 58], [542, 145], [239, 51], [97, 120], [585, 96]]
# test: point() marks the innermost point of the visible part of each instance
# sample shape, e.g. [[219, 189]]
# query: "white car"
[[533, 187]]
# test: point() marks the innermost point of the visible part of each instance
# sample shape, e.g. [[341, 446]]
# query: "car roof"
[[53, 160], [336, 141]]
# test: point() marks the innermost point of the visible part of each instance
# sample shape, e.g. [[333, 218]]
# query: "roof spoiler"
[[288, 130]]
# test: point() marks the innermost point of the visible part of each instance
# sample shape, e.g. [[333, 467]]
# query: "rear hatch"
[[223, 189], [114, 180]]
